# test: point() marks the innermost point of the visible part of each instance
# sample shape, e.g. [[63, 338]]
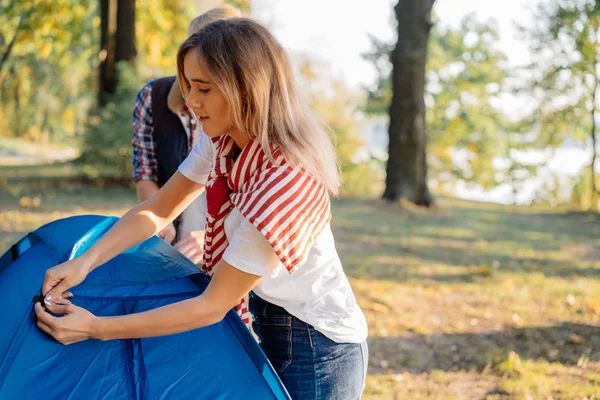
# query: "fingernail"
[[48, 299]]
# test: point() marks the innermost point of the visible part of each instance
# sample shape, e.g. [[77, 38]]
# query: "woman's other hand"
[[76, 325]]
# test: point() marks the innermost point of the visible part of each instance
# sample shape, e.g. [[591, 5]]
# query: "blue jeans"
[[310, 365]]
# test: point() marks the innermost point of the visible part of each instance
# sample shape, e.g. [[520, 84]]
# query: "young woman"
[[268, 168]]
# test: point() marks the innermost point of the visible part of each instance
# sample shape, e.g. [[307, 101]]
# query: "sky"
[[336, 31]]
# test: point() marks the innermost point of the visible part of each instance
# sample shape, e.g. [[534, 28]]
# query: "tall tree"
[[107, 69], [125, 50], [563, 77], [465, 74], [117, 42], [407, 163]]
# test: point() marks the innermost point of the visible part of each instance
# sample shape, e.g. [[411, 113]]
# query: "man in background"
[[164, 132]]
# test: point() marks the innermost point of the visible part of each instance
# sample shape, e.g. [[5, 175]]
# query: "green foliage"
[[563, 78], [564, 45], [45, 85], [243, 5], [49, 79], [338, 108], [160, 27], [379, 98], [107, 143], [465, 74]]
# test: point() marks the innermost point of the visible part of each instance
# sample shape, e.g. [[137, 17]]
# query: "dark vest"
[[170, 139]]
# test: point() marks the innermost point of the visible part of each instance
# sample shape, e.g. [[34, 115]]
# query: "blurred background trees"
[[69, 72]]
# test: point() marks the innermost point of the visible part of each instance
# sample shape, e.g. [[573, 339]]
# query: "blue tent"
[[222, 361]]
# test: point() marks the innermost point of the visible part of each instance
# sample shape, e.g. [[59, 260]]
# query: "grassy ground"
[[469, 301], [18, 152]]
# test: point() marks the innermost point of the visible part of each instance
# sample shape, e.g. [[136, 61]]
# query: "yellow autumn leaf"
[[45, 50], [25, 202], [47, 25]]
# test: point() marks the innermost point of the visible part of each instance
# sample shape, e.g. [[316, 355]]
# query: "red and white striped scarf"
[[284, 202]]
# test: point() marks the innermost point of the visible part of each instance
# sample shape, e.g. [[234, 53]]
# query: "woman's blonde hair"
[[253, 71]]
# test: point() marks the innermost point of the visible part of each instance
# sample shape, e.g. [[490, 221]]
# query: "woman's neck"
[[240, 138]]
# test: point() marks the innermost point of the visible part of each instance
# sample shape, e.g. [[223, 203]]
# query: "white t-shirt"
[[317, 293], [193, 218]]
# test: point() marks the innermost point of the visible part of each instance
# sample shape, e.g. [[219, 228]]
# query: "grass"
[[468, 301]]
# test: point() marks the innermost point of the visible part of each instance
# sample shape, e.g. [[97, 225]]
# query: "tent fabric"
[[222, 361]]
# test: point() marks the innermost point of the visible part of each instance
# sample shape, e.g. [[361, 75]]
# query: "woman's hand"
[[77, 324], [63, 277]]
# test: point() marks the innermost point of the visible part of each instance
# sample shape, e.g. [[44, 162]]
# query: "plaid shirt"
[[145, 165]]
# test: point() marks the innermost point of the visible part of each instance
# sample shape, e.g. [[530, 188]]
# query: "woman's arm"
[[227, 287], [137, 225], [145, 220]]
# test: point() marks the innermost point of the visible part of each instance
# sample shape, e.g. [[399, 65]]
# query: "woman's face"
[[204, 98]]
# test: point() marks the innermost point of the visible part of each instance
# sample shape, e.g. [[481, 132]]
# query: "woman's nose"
[[192, 100]]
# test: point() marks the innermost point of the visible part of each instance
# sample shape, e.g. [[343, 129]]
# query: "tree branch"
[[10, 45]]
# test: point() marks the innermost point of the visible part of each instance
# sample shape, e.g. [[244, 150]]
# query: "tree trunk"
[[407, 164], [125, 49], [108, 29], [117, 42], [594, 190], [17, 99]]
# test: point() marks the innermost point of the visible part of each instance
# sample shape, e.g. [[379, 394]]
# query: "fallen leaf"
[[378, 307], [482, 270], [594, 307], [576, 339], [508, 285]]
